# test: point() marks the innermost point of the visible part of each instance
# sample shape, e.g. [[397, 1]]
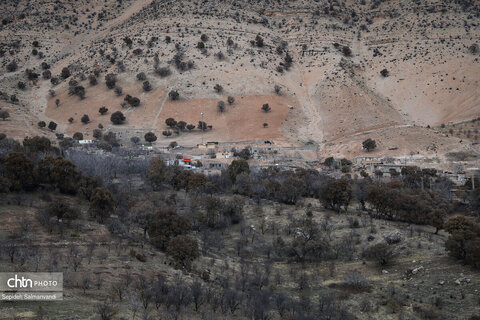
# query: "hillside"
[[428, 49]]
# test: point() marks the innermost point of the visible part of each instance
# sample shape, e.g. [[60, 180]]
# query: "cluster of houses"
[[213, 157]]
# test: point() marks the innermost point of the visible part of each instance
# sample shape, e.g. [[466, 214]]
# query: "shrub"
[[147, 86], [62, 211], [47, 74], [230, 100], [12, 66], [347, 52], [117, 118], [369, 144], [259, 41], [173, 95], [78, 136], [170, 122], [382, 253], [92, 80], [65, 73], [474, 48], [150, 137], [103, 110], [356, 281], [110, 80], [21, 85], [133, 101], [221, 106], [384, 73], [4, 114], [128, 42], [181, 125], [163, 72], [85, 119], [277, 89], [220, 56], [97, 133], [135, 140], [118, 90], [52, 126], [266, 108]]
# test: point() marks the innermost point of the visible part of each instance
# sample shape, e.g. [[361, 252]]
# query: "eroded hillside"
[[325, 57]]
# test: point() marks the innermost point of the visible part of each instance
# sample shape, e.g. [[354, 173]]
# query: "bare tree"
[[198, 294], [231, 300], [36, 257], [179, 294], [90, 248], [86, 283], [106, 310], [118, 289], [134, 304]]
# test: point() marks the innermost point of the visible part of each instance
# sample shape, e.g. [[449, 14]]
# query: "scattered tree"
[[221, 106], [183, 249], [238, 167], [103, 110], [150, 137], [171, 122], [78, 136], [167, 224], [65, 73], [117, 118], [384, 73], [12, 66], [147, 86], [369, 144], [4, 114], [85, 119], [101, 204], [173, 95], [52, 126]]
